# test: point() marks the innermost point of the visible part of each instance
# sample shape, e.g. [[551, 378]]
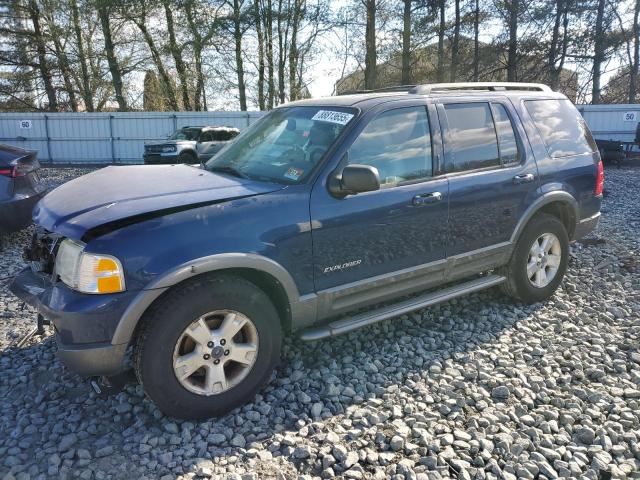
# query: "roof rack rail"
[[429, 88], [394, 88]]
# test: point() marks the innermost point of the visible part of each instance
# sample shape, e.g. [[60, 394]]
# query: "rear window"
[[561, 126]]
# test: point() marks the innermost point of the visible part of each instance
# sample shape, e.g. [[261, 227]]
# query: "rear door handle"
[[427, 198], [524, 178]]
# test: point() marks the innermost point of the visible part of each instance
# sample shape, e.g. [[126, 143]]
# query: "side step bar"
[[345, 325]]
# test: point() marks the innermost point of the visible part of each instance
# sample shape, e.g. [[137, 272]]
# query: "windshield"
[[285, 145], [186, 134]]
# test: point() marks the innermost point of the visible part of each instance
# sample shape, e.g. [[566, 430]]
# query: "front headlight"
[[88, 272], [169, 148]]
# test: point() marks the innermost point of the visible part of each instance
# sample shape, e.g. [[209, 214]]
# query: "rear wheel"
[[539, 260], [207, 347]]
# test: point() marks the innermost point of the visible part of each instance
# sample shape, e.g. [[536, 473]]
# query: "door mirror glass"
[[358, 179]]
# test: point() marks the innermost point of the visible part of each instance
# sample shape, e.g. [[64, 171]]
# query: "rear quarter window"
[[561, 127]]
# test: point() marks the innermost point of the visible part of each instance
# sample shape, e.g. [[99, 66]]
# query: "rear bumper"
[[15, 214], [586, 226], [84, 324]]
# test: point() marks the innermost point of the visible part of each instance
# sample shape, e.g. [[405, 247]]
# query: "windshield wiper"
[[228, 169]]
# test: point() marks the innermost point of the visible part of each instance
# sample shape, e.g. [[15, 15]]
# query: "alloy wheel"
[[215, 352]]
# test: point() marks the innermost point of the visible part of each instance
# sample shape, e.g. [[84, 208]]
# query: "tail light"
[[599, 179], [17, 170]]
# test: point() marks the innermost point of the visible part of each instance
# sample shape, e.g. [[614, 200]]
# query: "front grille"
[[41, 252], [154, 148]]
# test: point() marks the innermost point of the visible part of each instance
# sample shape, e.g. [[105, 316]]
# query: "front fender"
[[303, 309]]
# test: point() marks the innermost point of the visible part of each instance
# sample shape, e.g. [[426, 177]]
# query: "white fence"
[[98, 138]]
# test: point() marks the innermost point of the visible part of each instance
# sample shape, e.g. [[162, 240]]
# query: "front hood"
[[168, 142], [114, 194]]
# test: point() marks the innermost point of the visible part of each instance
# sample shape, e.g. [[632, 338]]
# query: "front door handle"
[[524, 178], [427, 198]]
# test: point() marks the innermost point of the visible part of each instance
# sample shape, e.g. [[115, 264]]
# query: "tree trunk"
[[370, 80], [406, 44], [176, 53], [453, 74], [554, 73], [282, 51], [65, 69], [237, 35], [512, 59], [270, 67], [476, 42], [598, 53], [114, 68], [441, 32], [258, 22], [43, 64], [167, 83], [87, 95], [634, 67], [294, 91], [197, 55]]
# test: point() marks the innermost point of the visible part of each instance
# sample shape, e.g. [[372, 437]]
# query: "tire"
[[163, 337], [187, 157], [518, 283]]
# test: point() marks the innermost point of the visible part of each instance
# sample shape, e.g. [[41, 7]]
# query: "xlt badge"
[[342, 266]]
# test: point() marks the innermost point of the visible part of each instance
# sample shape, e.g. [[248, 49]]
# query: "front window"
[[285, 145], [186, 134]]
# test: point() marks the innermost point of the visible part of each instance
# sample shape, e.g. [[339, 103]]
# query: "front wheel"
[[539, 260], [207, 347]]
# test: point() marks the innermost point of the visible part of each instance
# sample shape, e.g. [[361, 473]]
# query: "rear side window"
[[398, 144], [223, 136], [561, 127], [509, 152], [472, 141]]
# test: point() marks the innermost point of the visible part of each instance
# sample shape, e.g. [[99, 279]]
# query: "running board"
[[345, 325]]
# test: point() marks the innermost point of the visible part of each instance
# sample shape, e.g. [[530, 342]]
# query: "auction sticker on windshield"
[[341, 118], [294, 173]]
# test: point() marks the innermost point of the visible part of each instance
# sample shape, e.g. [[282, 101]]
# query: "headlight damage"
[[88, 272]]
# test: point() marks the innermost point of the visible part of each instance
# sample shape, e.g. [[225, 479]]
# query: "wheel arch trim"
[[545, 199], [303, 309]]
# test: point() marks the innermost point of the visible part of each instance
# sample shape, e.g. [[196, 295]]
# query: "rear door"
[[205, 145], [367, 246], [492, 174]]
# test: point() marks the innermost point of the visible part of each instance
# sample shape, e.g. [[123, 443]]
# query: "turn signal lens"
[[100, 274]]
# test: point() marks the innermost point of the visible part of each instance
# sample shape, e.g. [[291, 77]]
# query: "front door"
[[491, 173], [360, 240]]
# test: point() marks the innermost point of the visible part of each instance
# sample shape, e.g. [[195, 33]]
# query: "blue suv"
[[324, 216]]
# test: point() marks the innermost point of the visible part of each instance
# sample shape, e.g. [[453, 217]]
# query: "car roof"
[[214, 128]]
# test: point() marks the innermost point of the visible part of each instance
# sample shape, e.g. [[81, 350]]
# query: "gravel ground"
[[475, 388]]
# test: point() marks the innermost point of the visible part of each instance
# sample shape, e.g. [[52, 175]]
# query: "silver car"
[[189, 145]]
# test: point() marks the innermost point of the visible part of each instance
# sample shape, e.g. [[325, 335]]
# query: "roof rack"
[[429, 88], [395, 88]]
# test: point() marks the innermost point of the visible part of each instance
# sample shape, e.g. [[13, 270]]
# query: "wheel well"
[[267, 283], [563, 212]]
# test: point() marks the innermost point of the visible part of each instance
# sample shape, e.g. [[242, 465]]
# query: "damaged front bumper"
[[84, 324]]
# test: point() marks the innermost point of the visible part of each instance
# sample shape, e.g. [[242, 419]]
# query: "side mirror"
[[355, 179]]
